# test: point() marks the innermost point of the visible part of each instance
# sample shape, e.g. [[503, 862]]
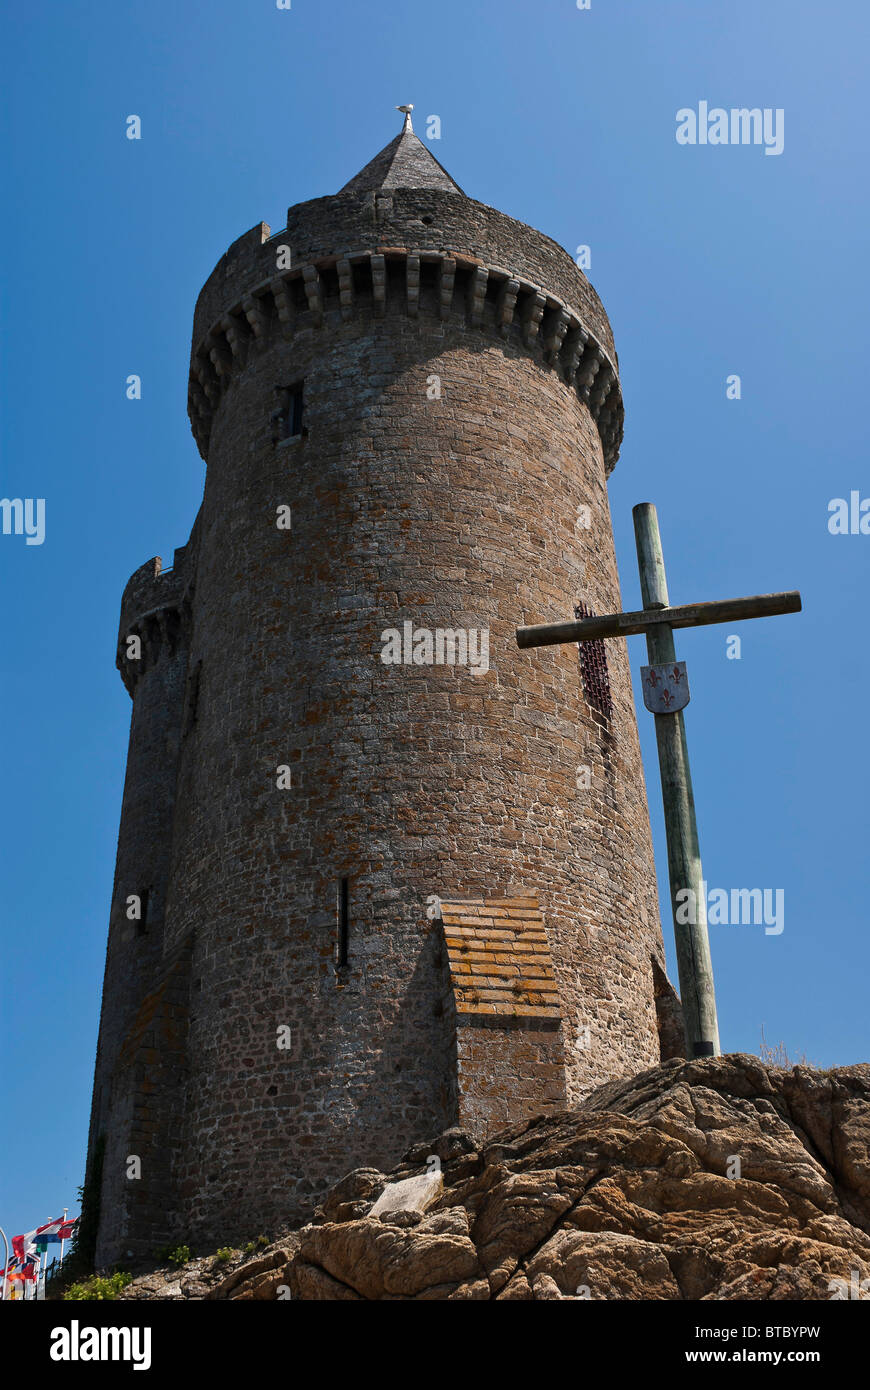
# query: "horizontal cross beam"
[[726, 610]]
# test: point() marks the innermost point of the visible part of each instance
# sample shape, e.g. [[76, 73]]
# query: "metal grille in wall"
[[593, 670]]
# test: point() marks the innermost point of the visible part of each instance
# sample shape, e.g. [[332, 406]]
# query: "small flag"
[[20, 1270], [35, 1242], [23, 1245]]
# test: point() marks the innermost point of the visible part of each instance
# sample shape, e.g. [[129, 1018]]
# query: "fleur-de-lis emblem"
[[666, 687]]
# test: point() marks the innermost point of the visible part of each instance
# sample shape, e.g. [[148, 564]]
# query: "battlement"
[[416, 218], [390, 279], [155, 607], [413, 251]]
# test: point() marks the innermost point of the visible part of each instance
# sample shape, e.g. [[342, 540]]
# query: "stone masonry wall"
[[507, 1074]]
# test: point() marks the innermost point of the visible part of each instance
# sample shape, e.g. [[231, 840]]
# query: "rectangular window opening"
[[287, 418]]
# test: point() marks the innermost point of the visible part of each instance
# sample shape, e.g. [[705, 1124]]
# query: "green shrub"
[[99, 1286], [223, 1255], [180, 1255]]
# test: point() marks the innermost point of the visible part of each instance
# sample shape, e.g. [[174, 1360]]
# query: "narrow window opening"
[[142, 923], [287, 418], [343, 923], [192, 697]]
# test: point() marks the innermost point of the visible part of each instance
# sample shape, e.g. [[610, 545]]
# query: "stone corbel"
[[412, 279], [533, 312], [506, 304], [555, 336], [220, 358], [206, 378], [255, 316], [477, 296], [234, 336], [445, 287], [379, 284], [573, 349], [313, 292], [345, 287], [280, 294]]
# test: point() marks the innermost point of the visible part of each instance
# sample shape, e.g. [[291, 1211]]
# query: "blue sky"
[[710, 261]]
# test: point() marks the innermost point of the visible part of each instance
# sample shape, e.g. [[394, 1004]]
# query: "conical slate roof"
[[404, 163]]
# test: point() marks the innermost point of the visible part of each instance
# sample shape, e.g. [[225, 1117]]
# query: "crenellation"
[[538, 311]]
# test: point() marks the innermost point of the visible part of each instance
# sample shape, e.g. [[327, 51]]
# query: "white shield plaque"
[[665, 688]]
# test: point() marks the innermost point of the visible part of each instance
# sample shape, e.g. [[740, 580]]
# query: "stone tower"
[[379, 872]]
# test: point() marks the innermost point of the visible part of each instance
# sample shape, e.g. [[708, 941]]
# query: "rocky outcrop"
[[714, 1179], [227, 1275]]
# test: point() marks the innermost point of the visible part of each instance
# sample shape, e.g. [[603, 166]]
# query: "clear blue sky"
[[710, 261]]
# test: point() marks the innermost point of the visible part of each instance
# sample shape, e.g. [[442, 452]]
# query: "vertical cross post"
[[684, 856]]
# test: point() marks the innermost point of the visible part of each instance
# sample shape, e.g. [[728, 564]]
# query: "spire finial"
[[407, 110]]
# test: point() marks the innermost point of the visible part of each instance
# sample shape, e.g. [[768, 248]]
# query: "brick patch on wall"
[[504, 1002]]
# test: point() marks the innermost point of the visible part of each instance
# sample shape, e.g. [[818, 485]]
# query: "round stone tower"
[[410, 881]]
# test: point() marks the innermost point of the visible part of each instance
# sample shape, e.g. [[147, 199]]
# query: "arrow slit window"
[[593, 671], [343, 905]]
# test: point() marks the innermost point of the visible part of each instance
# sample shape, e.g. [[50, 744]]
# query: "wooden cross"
[[666, 693]]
